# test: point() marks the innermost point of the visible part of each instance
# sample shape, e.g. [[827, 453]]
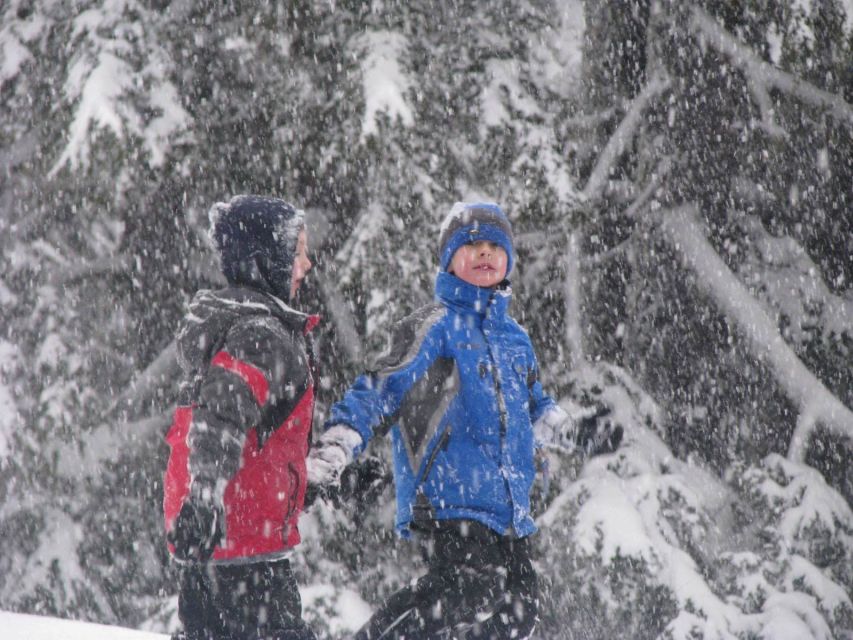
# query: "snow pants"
[[478, 585], [254, 601]]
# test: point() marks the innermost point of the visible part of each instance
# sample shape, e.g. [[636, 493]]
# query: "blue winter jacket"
[[459, 391]]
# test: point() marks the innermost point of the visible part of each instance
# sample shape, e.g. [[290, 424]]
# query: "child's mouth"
[[484, 267]]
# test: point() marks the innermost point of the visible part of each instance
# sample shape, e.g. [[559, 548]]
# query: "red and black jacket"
[[243, 425]]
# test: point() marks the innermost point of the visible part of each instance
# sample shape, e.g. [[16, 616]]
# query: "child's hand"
[[325, 464], [198, 529], [556, 430], [360, 481], [333, 452], [590, 431]]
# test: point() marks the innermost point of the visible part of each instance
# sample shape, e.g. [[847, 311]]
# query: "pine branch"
[[622, 137], [65, 275], [342, 317], [817, 404], [162, 369], [761, 76], [590, 121], [572, 320]]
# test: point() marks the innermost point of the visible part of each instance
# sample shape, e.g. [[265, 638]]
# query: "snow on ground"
[[19, 626]]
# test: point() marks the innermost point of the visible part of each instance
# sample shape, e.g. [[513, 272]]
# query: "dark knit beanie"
[[256, 238], [470, 222]]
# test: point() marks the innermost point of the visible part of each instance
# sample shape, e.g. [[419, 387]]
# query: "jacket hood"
[[256, 237], [213, 313]]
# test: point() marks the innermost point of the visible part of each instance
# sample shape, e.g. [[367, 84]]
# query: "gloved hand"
[[330, 455], [555, 430], [198, 529], [589, 430], [598, 433], [360, 481], [325, 463], [364, 479]]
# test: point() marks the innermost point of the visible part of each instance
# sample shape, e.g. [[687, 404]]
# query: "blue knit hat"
[[470, 222], [256, 238]]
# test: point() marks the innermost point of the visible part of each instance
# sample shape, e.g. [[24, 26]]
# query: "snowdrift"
[[19, 626]]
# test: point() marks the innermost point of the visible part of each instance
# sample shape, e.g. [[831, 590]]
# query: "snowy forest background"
[[679, 177]]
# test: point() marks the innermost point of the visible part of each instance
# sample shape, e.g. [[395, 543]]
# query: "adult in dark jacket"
[[236, 478], [460, 393]]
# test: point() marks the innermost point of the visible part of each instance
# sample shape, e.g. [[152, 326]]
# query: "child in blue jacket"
[[459, 391]]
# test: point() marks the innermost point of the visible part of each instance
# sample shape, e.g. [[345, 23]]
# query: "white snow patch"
[[804, 9], [7, 298], [504, 91], [848, 15], [99, 90], [774, 42], [830, 594], [793, 616], [561, 55], [19, 626], [384, 80], [13, 55], [13, 39], [351, 610], [160, 132], [51, 352], [109, 94], [8, 410], [56, 558], [370, 225]]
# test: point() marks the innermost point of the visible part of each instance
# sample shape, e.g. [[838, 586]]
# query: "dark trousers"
[[478, 585], [254, 601]]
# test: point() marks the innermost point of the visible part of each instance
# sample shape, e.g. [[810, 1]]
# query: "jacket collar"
[[468, 298], [261, 302]]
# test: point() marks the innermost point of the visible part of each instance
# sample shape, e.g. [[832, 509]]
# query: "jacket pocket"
[[519, 369]]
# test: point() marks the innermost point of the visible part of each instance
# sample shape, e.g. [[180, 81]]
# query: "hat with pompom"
[[470, 222], [256, 238]]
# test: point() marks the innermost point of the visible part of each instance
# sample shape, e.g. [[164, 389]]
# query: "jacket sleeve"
[[540, 402], [376, 397], [257, 364]]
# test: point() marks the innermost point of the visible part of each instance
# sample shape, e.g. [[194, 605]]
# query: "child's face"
[[481, 263]]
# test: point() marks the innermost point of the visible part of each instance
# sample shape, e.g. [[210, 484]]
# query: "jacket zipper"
[[502, 412], [442, 442], [423, 511]]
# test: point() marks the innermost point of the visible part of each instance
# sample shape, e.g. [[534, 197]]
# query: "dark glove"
[[314, 492], [198, 529], [361, 481], [597, 433], [364, 480]]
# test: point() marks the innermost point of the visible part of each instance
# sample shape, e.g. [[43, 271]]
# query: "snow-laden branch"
[[572, 301], [163, 368], [817, 404], [760, 75], [65, 275], [622, 137], [342, 317]]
